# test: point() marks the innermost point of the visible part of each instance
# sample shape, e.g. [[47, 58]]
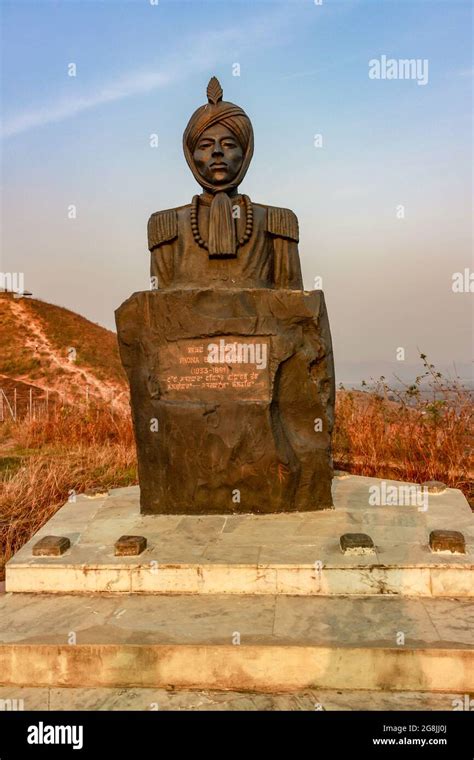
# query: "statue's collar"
[[207, 198]]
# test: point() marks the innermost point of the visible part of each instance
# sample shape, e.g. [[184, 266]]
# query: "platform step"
[[42, 698], [253, 554], [240, 643]]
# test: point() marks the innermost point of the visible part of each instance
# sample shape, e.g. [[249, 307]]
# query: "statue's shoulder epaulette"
[[162, 227], [282, 222]]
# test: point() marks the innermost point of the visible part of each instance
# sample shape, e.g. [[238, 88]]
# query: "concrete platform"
[[164, 700], [241, 643], [296, 554]]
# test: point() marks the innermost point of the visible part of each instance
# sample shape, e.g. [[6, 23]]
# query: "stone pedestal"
[[232, 396], [307, 613], [299, 554]]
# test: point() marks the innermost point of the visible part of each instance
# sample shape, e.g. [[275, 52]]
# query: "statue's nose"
[[217, 150]]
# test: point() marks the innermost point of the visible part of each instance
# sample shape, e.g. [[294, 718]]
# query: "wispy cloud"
[[68, 107], [196, 54]]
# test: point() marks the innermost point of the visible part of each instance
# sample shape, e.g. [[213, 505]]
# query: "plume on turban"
[[218, 111]]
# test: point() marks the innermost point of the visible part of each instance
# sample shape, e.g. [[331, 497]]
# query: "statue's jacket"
[[269, 259]]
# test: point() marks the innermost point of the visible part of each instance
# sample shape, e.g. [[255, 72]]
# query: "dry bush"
[[420, 432], [69, 425]]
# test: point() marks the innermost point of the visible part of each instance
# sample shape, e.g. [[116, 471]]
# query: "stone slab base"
[[212, 417], [296, 554], [253, 643], [163, 700]]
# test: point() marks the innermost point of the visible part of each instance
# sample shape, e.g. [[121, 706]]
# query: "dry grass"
[[422, 432], [44, 461], [406, 435]]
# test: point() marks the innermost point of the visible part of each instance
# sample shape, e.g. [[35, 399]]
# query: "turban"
[[222, 241], [218, 111]]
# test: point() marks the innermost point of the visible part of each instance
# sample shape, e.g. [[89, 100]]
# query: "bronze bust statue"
[[222, 239], [229, 360]]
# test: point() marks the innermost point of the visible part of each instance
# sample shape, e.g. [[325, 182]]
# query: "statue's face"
[[218, 155]]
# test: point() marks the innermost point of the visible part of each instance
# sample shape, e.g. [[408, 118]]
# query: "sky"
[[378, 170]]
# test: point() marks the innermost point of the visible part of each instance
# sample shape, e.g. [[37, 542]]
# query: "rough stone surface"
[[130, 546], [357, 543], [435, 486], [229, 437], [447, 541], [51, 546], [43, 698]]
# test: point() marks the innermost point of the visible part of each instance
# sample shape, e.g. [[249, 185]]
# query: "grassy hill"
[[58, 350]]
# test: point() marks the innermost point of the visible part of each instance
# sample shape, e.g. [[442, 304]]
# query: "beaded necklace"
[[248, 222]]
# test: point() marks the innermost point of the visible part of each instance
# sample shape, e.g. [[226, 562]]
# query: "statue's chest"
[[248, 268]]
